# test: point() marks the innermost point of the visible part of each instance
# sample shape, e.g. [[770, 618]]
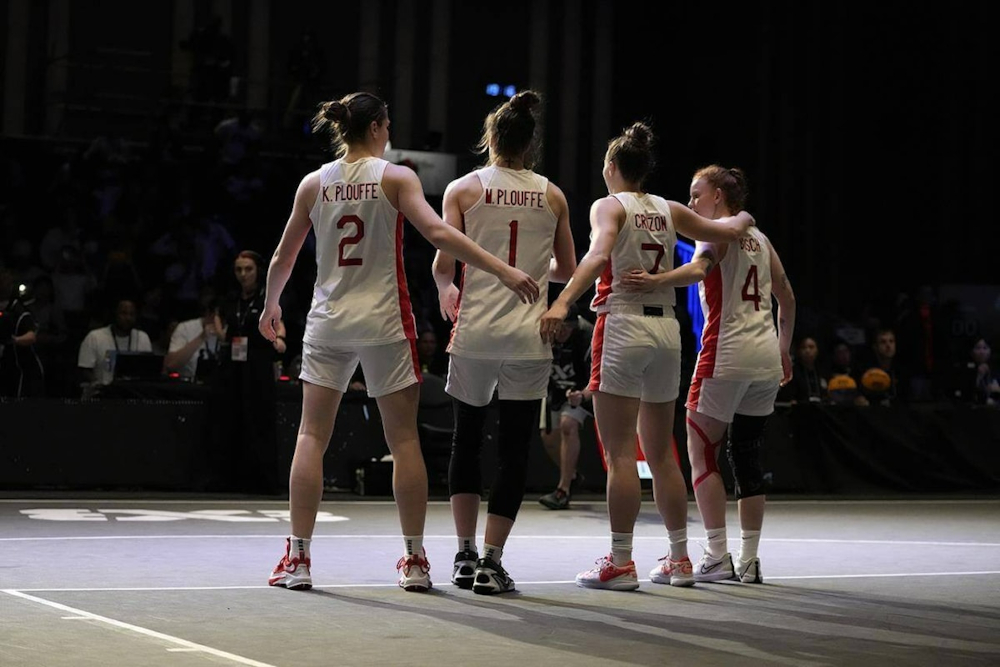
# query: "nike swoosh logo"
[[711, 567]]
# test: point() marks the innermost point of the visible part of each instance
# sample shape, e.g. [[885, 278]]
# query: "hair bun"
[[640, 134], [525, 100]]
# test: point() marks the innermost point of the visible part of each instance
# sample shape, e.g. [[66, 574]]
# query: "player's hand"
[[638, 280], [553, 318], [520, 283], [268, 320], [574, 397], [448, 302], [786, 368]]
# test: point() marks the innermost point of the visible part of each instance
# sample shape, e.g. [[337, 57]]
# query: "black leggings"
[[518, 422]]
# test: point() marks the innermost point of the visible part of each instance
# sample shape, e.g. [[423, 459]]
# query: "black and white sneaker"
[[749, 573], [465, 569], [491, 578]]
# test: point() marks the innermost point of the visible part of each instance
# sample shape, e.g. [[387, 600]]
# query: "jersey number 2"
[[359, 233]]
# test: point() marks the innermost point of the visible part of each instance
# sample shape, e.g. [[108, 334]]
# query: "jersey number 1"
[[512, 257], [359, 233]]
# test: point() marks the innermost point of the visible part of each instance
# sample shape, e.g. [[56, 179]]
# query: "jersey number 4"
[[751, 292], [359, 233]]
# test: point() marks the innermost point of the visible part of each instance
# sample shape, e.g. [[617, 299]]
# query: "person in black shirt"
[[568, 402], [21, 373], [808, 383], [245, 391]]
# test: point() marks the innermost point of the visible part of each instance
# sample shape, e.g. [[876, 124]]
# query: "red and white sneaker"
[[609, 576], [673, 572], [414, 573], [291, 572]]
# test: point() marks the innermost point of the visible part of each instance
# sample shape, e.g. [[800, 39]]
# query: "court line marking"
[[168, 589], [183, 643], [583, 501], [695, 538]]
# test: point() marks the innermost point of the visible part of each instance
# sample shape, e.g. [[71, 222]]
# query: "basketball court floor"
[[132, 580]]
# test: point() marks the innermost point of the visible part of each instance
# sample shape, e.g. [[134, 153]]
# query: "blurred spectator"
[[890, 388], [66, 233], [238, 138], [568, 405], [923, 344], [809, 383], [52, 345], [120, 279], [978, 381], [74, 284], [195, 344], [96, 361], [48, 315], [244, 437], [21, 372], [428, 351]]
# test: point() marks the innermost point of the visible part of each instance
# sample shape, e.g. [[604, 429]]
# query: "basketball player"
[[742, 364], [361, 312], [635, 368], [522, 217]]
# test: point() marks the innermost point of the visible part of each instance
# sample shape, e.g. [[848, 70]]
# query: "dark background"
[[868, 130]]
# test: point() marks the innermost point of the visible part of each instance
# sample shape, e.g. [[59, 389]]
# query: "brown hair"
[[510, 129], [258, 261], [632, 151], [348, 118], [732, 182]]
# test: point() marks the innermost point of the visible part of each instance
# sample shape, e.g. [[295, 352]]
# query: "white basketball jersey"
[[360, 296], [511, 220], [646, 241], [739, 339]]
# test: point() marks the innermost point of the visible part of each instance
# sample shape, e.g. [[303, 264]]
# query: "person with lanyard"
[[195, 343], [96, 359], [245, 390]]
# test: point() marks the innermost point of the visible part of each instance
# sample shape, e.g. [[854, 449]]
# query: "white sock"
[[749, 541], [678, 543], [493, 552], [716, 542], [298, 546], [414, 545], [467, 544], [621, 548]]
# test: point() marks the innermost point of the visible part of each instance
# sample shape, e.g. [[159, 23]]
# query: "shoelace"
[[416, 560]]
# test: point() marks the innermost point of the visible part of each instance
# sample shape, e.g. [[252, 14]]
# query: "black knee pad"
[[746, 438], [464, 472], [517, 426]]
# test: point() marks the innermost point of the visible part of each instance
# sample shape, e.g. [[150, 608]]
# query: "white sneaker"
[[714, 569], [749, 573], [673, 572], [414, 573], [291, 572], [609, 576]]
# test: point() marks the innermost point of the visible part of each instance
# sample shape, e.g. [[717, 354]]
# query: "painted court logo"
[[151, 515]]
